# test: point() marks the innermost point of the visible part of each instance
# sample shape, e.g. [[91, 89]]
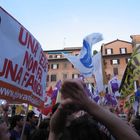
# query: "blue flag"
[[84, 61]]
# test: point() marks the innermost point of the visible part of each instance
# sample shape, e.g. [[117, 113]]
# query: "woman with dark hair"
[[81, 128]]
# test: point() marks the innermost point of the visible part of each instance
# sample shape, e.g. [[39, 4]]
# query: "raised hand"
[[75, 90]]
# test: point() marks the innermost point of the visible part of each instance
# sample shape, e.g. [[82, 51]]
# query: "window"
[[122, 50], [137, 45], [115, 71], [53, 78], [115, 61], [109, 51], [75, 76], [64, 76], [50, 56], [54, 66], [57, 56], [72, 66]]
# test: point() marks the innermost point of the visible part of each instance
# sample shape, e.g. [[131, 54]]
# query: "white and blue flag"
[[84, 61]]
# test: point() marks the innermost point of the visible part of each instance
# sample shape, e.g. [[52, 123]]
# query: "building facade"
[[60, 68], [135, 40], [115, 56]]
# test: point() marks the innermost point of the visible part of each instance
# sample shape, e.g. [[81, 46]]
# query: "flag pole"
[[89, 82], [25, 118]]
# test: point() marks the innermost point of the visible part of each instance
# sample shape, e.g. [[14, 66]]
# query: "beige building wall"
[[116, 45], [65, 67], [116, 53], [135, 40], [120, 52]]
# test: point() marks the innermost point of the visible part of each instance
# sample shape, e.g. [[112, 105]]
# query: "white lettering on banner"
[[20, 96]]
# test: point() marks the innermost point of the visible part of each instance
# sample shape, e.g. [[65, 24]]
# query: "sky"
[[57, 24]]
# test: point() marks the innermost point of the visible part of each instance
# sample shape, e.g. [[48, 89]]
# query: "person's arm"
[[24, 137], [119, 129], [52, 136], [75, 90], [57, 122]]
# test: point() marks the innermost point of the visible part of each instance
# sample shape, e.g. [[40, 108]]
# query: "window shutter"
[[47, 78], [105, 51], [126, 60], [125, 50], [51, 66], [118, 61], [120, 51], [48, 66], [57, 66], [72, 76], [111, 62], [111, 51]]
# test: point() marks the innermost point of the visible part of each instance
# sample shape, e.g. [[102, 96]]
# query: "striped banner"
[[131, 74]]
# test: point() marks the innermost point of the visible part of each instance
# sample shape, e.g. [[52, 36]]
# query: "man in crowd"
[[30, 125]]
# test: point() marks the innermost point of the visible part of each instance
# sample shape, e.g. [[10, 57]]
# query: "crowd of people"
[[76, 117]]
